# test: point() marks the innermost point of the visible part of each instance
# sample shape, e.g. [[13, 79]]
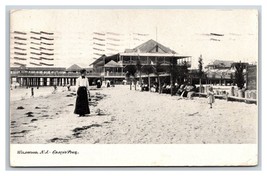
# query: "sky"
[[188, 32]]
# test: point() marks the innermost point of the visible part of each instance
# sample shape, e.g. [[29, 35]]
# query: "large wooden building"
[[149, 53]]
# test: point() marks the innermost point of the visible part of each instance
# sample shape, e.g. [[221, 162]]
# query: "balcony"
[[113, 74]]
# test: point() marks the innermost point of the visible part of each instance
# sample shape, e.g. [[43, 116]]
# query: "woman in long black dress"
[[82, 88]]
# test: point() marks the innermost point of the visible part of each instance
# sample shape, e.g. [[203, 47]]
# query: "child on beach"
[[211, 97]]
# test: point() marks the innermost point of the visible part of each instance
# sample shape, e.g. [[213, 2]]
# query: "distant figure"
[[112, 83], [98, 84], [32, 92], [82, 88], [191, 89], [180, 90], [108, 83], [153, 88], [55, 89], [68, 86], [211, 97], [145, 87]]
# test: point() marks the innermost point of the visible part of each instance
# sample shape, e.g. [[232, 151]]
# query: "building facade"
[[150, 53], [48, 76]]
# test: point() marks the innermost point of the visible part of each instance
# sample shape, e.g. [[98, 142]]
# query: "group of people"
[[182, 90], [110, 83], [185, 90], [83, 93]]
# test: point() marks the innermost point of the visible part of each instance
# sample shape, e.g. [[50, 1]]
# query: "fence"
[[231, 93]]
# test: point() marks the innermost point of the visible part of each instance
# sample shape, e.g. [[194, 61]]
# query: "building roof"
[[153, 55], [112, 63], [99, 59], [221, 63], [151, 46], [74, 67], [129, 50], [38, 68]]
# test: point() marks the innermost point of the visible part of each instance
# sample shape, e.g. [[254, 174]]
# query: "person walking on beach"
[[211, 97], [108, 83], [32, 92], [68, 86], [55, 89], [82, 89]]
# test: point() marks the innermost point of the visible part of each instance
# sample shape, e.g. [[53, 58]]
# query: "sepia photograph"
[[178, 77]]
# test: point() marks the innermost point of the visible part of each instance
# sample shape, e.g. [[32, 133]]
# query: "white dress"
[[211, 97]]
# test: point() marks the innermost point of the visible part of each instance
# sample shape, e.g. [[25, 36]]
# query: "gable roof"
[[102, 58], [151, 46], [74, 67], [221, 63], [112, 63]]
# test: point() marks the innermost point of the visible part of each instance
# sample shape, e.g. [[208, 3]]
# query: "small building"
[[219, 64], [74, 69], [220, 72]]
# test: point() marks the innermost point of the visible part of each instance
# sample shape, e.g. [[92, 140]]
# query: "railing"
[[53, 74], [114, 74]]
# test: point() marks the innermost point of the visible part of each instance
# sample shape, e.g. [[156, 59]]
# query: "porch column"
[[21, 81], [41, 81], [28, 81], [48, 82]]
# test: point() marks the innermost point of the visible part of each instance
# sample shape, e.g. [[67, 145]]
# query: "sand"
[[123, 116]]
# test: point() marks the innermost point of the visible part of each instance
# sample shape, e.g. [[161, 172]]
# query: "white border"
[[4, 167], [134, 155]]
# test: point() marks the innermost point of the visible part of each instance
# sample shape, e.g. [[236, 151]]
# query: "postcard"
[[133, 87]]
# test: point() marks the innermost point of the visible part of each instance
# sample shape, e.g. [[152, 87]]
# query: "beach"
[[123, 116]]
